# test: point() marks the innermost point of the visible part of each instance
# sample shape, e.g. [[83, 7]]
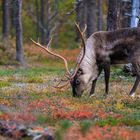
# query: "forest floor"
[[27, 97]]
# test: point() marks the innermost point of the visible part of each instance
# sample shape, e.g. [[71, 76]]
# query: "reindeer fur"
[[105, 48]]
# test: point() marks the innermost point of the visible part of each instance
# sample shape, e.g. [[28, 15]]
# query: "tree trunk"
[[135, 13], [47, 22], [126, 8], [100, 15], [18, 26], [80, 16], [37, 17], [5, 19], [42, 17], [91, 17], [112, 15]]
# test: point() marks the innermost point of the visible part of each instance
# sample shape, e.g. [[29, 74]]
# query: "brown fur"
[[120, 46], [115, 47]]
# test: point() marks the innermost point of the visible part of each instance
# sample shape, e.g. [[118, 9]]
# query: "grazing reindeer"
[[101, 50]]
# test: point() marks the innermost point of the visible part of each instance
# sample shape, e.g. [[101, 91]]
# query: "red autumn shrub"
[[72, 114]]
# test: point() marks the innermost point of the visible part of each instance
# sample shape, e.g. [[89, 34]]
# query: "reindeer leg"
[[137, 81], [107, 76], [94, 83], [93, 87]]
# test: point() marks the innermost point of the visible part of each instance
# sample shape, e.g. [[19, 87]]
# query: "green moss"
[[4, 83], [6, 72], [34, 79]]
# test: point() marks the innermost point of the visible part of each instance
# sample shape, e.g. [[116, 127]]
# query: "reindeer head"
[[81, 77]]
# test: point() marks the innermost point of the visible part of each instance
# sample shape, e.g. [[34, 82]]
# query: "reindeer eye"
[[77, 81]]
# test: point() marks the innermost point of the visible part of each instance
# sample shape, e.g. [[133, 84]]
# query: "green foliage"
[[6, 53], [4, 83], [67, 36], [133, 115], [58, 134], [131, 122], [41, 119], [62, 4], [134, 104], [117, 72], [108, 121], [30, 72], [34, 79], [29, 28], [85, 126], [6, 72], [65, 124], [34, 95]]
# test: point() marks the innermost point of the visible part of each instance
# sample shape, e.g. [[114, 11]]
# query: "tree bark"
[[112, 15], [125, 20], [37, 17], [42, 17], [135, 13], [5, 19], [18, 27], [45, 21], [91, 17], [80, 16], [100, 15]]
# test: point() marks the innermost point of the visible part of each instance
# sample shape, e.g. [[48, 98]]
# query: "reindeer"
[[99, 51]]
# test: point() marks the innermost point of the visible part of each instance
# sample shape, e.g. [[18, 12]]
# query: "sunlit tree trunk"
[[135, 13], [18, 26]]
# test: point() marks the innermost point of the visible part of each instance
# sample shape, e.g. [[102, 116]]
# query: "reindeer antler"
[[84, 47], [52, 53], [68, 74]]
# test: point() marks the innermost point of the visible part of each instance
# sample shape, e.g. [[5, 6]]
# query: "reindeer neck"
[[88, 60]]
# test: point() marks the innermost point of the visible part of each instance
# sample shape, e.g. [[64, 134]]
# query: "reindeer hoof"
[[92, 95], [132, 95]]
